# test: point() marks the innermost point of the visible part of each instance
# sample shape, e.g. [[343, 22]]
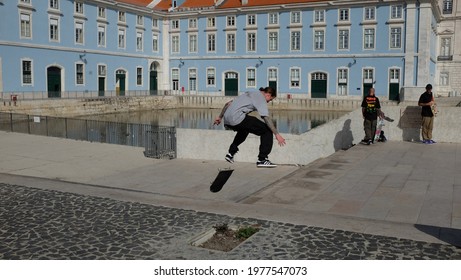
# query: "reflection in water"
[[292, 122]]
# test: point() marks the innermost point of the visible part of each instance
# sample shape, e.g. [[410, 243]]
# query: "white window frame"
[[343, 81], [295, 17], [154, 22], [53, 4], [231, 42], [395, 39], [251, 41], [101, 12], [193, 43], [230, 21], [155, 38], [447, 7], [273, 41], [396, 12], [25, 23], [369, 14], [121, 37], [193, 23], [175, 78], [344, 39], [211, 42], [139, 41], [319, 16], [193, 81], [211, 22], [23, 73], [139, 76], [368, 75], [319, 40], [273, 18], [79, 29], [79, 76], [139, 20], [102, 35], [251, 20], [445, 46], [54, 29], [121, 16], [295, 41], [210, 77], [175, 43], [367, 45], [79, 8], [251, 77], [344, 15], [295, 77]]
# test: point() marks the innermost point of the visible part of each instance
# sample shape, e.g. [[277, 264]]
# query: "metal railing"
[[159, 142]]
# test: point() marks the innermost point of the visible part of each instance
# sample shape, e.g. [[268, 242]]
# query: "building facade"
[[311, 48]]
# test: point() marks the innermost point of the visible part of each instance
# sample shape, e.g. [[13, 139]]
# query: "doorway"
[[53, 74]]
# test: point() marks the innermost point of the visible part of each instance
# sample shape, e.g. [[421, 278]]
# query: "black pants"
[[252, 125]]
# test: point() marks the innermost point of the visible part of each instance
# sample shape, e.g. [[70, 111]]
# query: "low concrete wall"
[[321, 141]]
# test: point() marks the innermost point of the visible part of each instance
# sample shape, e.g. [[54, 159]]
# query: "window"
[[79, 33], [101, 36], [368, 76], [54, 29], [273, 18], [211, 43], [175, 24], [25, 1], [295, 40], [342, 81], [139, 76], [79, 8], [193, 79], [121, 38], [102, 70], [79, 74], [294, 77], [251, 42], [394, 75], [251, 20], [193, 44], [230, 42], [295, 17], [396, 38], [447, 6], [54, 4], [396, 12], [211, 22], [121, 16], [369, 13], [154, 22], [175, 79], [210, 74], [319, 40], [101, 12], [444, 79], [343, 39], [140, 20], [175, 44], [369, 38], [273, 41], [27, 72], [319, 16], [445, 47], [25, 26], [230, 20], [139, 41], [343, 14], [155, 42], [193, 23], [251, 77]]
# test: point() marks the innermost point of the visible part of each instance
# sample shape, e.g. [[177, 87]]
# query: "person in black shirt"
[[427, 103], [371, 108]]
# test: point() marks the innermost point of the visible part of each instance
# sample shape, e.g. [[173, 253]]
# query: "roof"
[[253, 3], [142, 3]]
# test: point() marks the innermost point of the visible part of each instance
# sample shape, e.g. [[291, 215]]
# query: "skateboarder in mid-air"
[[235, 114]]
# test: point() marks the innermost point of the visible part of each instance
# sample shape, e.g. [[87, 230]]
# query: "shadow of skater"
[[343, 139], [449, 235], [410, 123]]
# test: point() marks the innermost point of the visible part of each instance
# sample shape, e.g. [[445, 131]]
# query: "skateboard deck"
[[379, 127], [221, 179]]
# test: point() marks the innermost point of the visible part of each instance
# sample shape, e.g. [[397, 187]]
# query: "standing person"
[[370, 110], [235, 114], [426, 101]]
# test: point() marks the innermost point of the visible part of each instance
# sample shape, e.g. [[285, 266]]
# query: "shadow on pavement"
[[449, 235]]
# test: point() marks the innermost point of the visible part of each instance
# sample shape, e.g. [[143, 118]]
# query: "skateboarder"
[[236, 117], [370, 111]]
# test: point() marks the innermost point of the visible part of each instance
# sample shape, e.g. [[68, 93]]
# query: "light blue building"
[[311, 49]]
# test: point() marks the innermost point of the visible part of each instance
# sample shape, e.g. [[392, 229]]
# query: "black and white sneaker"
[[265, 163], [229, 158]]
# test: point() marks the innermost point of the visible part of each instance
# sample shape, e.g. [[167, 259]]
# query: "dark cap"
[[428, 86]]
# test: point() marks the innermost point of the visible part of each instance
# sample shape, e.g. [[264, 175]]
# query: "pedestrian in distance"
[[236, 116], [428, 111], [371, 108]]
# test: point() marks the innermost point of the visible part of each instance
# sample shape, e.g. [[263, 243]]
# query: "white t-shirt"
[[244, 104]]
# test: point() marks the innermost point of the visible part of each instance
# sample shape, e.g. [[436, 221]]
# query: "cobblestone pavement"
[[43, 224]]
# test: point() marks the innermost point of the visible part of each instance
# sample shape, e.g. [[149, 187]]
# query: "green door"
[[101, 86], [366, 89], [394, 89], [273, 84], [54, 82], [153, 83], [120, 80], [231, 84], [319, 85]]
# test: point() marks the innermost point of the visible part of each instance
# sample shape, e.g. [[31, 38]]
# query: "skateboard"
[[379, 128], [221, 179]]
